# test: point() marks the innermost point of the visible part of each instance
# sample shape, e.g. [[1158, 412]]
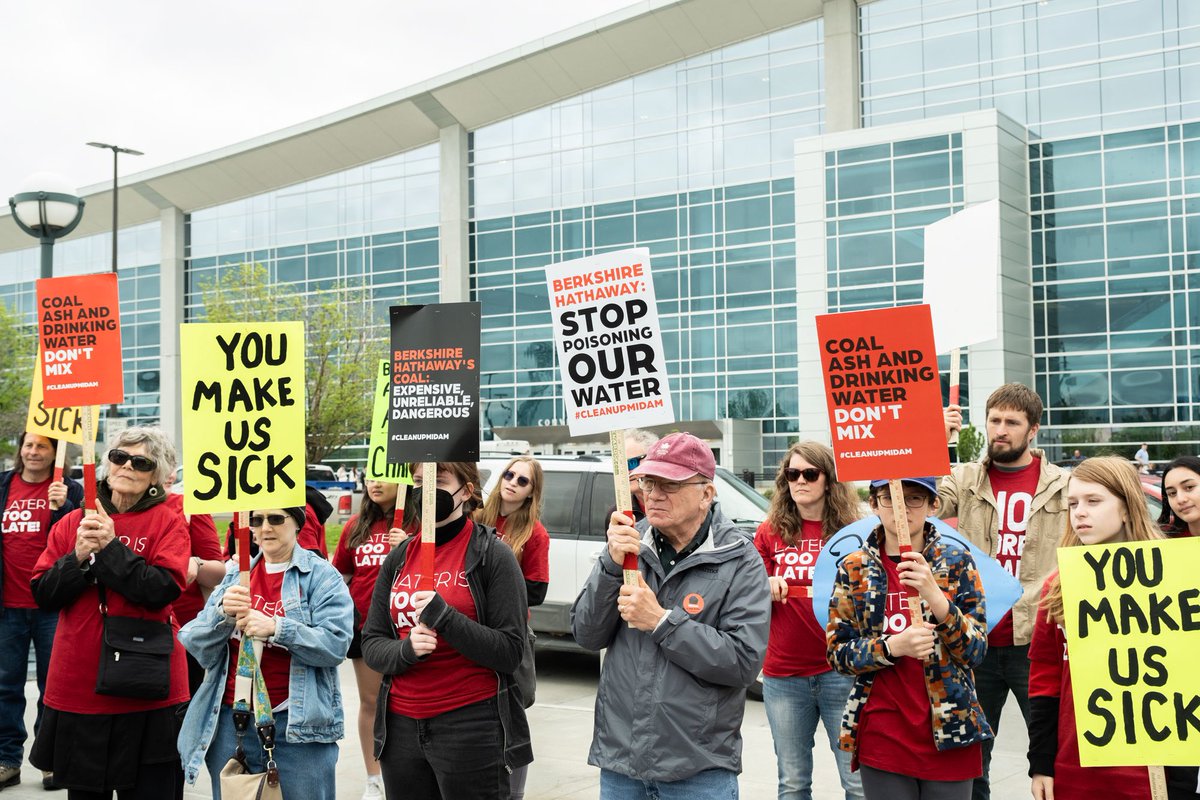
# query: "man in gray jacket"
[[683, 644]]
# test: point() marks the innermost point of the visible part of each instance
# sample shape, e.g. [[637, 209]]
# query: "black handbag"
[[135, 656]]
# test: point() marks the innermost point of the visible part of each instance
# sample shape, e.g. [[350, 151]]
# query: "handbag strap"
[[248, 672], [250, 692]]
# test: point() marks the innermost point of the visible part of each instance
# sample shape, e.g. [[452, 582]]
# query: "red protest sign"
[[884, 393], [79, 331]]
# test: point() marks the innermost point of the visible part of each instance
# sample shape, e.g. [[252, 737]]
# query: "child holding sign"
[[1106, 506], [912, 722]]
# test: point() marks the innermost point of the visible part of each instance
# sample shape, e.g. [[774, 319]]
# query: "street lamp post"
[[116, 150], [48, 208]]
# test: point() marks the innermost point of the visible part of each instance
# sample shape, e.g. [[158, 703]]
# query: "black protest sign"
[[434, 413]]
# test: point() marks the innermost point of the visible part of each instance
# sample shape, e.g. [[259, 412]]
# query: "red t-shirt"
[[1014, 491], [363, 564], [535, 555], [266, 583], [1050, 676], [796, 645], [157, 535], [26, 524], [896, 729], [203, 535], [445, 679]]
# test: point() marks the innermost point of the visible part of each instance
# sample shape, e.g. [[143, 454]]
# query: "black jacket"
[[496, 641], [74, 501]]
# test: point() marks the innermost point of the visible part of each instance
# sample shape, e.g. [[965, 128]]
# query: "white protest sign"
[[962, 269], [610, 348]]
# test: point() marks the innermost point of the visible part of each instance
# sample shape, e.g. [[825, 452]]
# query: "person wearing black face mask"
[[448, 723]]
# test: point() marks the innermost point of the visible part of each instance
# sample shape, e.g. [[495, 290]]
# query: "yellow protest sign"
[[378, 468], [53, 423], [1132, 621], [243, 415]]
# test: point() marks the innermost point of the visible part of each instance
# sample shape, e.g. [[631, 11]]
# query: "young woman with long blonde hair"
[[514, 509], [1106, 506]]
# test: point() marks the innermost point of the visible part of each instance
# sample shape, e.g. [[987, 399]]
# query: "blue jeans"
[[1003, 669], [711, 784], [307, 771], [793, 707], [19, 627]]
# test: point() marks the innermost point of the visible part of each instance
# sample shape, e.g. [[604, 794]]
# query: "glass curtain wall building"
[[786, 171]]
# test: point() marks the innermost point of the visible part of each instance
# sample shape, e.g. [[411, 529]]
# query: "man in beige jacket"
[[1013, 506]]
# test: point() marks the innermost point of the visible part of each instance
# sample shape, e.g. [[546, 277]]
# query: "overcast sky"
[[175, 80]]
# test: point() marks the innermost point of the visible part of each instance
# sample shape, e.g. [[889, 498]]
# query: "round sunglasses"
[[521, 480]]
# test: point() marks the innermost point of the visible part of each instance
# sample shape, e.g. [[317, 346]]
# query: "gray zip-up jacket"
[[670, 702]]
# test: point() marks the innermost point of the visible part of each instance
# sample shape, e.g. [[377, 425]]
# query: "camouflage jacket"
[[856, 613]]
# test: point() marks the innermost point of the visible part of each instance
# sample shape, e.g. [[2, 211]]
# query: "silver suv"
[[576, 500]]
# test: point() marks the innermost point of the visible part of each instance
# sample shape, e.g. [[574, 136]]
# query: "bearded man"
[[1013, 506]]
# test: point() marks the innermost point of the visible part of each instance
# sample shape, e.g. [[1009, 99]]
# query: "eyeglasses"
[[792, 474], [521, 480], [256, 520], [633, 461], [670, 487], [910, 500], [140, 463]]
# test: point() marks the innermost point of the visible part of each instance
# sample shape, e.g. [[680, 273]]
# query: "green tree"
[[343, 345], [16, 370], [970, 444]]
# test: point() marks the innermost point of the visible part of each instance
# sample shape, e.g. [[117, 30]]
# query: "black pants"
[[458, 755], [1004, 669], [155, 781]]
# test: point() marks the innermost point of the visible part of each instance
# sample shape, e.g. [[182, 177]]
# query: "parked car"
[[322, 478], [576, 500]]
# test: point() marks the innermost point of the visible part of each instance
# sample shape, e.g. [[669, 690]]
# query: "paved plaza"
[[561, 723]]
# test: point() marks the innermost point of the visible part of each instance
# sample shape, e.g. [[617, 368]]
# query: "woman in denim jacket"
[[912, 721], [299, 604]]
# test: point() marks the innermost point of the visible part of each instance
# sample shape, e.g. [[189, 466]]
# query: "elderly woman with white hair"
[[117, 671]]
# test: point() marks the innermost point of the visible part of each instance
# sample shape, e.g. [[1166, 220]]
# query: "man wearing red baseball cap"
[[683, 644]]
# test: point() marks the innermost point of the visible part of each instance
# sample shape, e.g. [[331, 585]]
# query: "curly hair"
[[159, 449], [1120, 478], [519, 526], [841, 502]]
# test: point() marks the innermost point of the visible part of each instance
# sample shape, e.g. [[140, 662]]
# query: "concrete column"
[[843, 89], [455, 211], [171, 283], [996, 165], [811, 282]]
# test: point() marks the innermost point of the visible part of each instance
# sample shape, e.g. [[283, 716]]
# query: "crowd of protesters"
[[226, 670]]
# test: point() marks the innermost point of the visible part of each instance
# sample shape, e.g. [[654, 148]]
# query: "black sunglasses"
[[634, 461], [256, 520], [140, 463], [521, 480], [792, 474]]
